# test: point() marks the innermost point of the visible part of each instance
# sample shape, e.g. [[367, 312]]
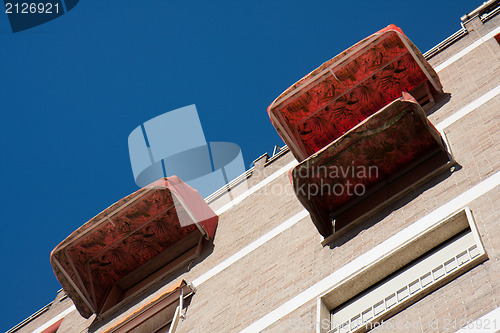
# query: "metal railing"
[[445, 43]]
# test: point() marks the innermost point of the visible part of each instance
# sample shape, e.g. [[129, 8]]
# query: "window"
[[376, 293], [403, 286], [160, 315]]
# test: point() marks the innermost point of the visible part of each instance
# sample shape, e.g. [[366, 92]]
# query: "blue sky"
[[73, 89]]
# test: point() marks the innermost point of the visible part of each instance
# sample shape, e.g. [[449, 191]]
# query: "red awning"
[[146, 225], [376, 160], [343, 91]]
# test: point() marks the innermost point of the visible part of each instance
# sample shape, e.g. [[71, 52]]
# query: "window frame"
[[169, 303], [374, 272]]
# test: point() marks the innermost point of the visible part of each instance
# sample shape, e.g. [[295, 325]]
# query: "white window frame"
[[404, 254]]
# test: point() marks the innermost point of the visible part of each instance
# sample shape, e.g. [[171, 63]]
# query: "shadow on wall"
[[352, 230], [442, 100]]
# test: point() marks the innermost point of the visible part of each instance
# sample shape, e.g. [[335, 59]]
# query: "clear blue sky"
[[73, 89]]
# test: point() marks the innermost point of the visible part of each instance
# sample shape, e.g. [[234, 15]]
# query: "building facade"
[[425, 261]]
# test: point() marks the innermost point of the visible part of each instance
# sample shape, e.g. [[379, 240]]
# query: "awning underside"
[[365, 158], [123, 238]]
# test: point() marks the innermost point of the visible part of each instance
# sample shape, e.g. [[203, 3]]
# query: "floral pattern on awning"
[[343, 91], [364, 157], [127, 235]]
